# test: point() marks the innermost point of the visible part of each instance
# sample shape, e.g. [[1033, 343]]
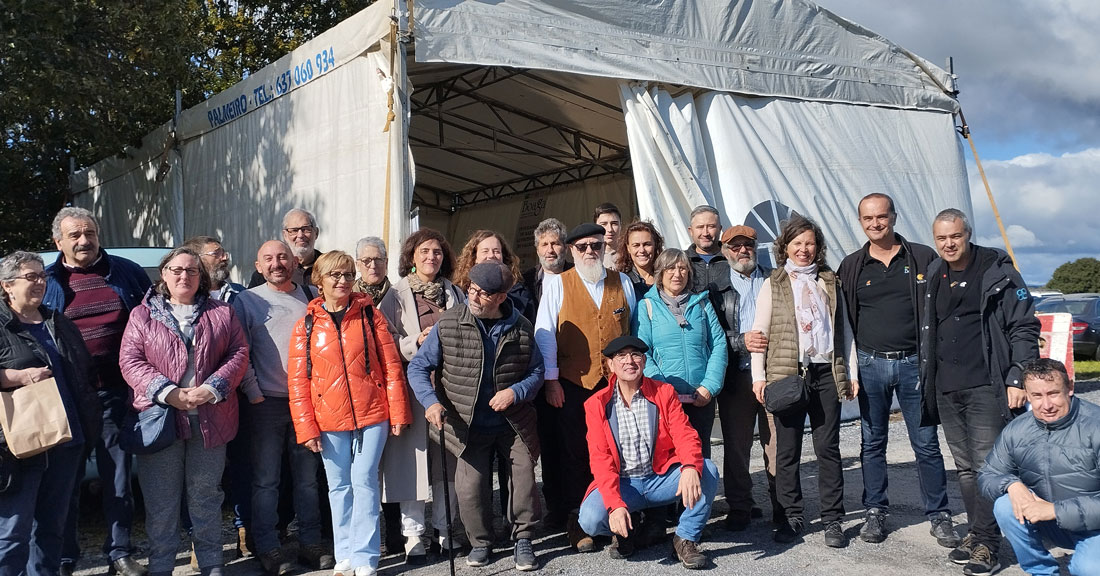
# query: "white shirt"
[[546, 323]]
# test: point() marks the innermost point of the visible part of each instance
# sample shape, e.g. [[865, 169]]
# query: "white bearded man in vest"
[[582, 310]]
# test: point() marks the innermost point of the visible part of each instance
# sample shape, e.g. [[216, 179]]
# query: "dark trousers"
[[238, 455], [879, 380], [273, 438], [33, 512], [971, 421], [576, 473], [702, 420], [823, 409], [552, 456], [114, 466], [474, 486], [740, 414]]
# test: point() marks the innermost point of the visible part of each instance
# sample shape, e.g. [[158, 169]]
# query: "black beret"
[[492, 277], [618, 344], [584, 231]]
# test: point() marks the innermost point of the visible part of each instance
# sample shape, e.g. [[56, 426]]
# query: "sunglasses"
[[594, 246]]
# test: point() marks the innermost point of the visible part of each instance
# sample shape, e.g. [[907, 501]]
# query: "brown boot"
[[244, 541], [578, 539], [688, 553]]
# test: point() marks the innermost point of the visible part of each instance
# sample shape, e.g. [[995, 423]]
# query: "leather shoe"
[[127, 566]]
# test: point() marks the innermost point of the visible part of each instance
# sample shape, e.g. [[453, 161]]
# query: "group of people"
[[610, 367]]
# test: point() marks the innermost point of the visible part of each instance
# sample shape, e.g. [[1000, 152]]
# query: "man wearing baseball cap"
[[582, 311], [644, 454], [738, 409], [490, 370]]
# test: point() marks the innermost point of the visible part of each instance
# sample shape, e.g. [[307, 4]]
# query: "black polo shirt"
[[887, 316], [960, 359]]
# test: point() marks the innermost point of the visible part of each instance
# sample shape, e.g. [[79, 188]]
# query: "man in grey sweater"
[[268, 313]]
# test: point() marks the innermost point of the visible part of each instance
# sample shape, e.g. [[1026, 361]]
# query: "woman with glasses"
[[37, 344], [687, 345], [636, 253], [412, 307], [184, 349], [372, 261], [801, 310], [347, 397]]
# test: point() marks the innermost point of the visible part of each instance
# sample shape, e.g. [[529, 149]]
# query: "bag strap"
[[648, 307], [366, 315], [309, 338]]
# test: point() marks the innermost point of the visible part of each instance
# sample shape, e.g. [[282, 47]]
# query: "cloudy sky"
[[1029, 81]]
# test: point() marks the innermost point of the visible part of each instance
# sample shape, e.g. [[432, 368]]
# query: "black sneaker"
[[943, 530], [835, 536], [274, 563], [983, 562], [789, 532], [478, 556], [525, 556], [874, 526], [738, 521], [961, 554]]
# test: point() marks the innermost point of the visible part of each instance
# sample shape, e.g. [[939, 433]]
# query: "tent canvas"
[[508, 111]]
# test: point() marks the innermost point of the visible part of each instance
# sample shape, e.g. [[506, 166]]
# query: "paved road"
[[908, 551]]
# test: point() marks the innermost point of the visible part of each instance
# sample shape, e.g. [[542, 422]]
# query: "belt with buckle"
[[889, 355]]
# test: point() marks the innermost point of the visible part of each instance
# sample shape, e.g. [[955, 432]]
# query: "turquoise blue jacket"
[[686, 357]]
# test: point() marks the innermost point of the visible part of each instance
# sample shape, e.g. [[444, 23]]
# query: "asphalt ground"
[[908, 550]]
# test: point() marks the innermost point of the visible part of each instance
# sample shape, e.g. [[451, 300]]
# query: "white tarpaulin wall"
[[755, 159], [307, 131]]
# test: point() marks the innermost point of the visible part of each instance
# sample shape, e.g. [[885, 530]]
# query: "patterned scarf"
[[432, 291], [815, 332], [376, 291]]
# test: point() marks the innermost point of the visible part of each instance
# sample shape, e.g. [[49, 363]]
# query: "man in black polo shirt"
[[884, 284], [978, 328]]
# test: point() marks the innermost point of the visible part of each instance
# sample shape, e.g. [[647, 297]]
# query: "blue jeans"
[[1034, 558], [115, 467], [272, 435], [651, 492], [879, 380], [351, 466], [32, 515]]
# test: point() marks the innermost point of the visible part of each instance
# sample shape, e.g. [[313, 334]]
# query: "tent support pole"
[[988, 191]]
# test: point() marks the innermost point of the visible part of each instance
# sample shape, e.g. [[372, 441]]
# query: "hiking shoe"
[[620, 547], [943, 530], [835, 536], [578, 539], [789, 532], [273, 562], [316, 556], [478, 556], [874, 526], [525, 556], [688, 553], [961, 554], [982, 562]]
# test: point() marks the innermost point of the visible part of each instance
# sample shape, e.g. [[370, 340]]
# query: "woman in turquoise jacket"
[[687, 346]]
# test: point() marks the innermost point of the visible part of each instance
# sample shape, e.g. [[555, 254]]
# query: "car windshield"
[[1079, 307]]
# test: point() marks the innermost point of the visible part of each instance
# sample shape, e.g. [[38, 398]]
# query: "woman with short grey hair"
[[372, 261]]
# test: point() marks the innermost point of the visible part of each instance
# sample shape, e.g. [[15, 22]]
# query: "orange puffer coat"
[[341, 394]]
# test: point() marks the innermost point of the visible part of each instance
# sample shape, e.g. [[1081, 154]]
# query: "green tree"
[[1078, 276]]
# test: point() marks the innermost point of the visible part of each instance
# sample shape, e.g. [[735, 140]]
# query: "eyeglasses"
[[33, 277], [624, 356], [302, 229], [337, 276], [594, 246], [738, 246], [219, 253], [368, 262], [180, 271], [475, 292]]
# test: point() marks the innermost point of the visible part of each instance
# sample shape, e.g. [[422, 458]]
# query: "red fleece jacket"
[[677, 442]]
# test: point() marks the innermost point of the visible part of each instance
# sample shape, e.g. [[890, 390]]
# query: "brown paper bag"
[[33, 418]]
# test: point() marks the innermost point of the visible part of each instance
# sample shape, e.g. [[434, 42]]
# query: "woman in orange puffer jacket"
[[347, 395]]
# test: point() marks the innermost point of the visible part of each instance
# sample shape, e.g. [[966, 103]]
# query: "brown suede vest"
[[584, 330], [782, 356]]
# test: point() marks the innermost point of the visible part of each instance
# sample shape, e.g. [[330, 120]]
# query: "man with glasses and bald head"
[[300, 233]]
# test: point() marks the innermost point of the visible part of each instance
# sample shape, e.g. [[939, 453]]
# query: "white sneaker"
[[364, 571], [342, 568]]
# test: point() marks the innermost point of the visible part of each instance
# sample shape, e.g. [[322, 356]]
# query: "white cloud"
[[1019, 236]]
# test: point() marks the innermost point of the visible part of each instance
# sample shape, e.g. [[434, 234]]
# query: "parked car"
[[1038, 294], [1085, 309], [146, 257]]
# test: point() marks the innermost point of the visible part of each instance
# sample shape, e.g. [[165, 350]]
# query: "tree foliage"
[[83, 79], [1081, 275]]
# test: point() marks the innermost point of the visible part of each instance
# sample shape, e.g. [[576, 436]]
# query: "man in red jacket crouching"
[[644, 454]]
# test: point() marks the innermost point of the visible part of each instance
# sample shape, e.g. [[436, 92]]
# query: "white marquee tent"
[[498, 113]]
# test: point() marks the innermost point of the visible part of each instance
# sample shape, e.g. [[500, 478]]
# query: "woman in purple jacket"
[[186, 350]]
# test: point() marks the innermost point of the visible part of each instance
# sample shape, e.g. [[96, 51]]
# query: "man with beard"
[[489, 370], [738, 409], [582, 310], [97, 291], [216, 261], [268, 313], [300, 233], [550, 248], [882, 285]]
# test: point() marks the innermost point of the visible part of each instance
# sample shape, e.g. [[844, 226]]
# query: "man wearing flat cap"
[[581, 312], [490, 370], [644, 454]]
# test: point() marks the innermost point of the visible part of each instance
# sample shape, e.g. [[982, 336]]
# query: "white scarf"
[[811, 314]]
